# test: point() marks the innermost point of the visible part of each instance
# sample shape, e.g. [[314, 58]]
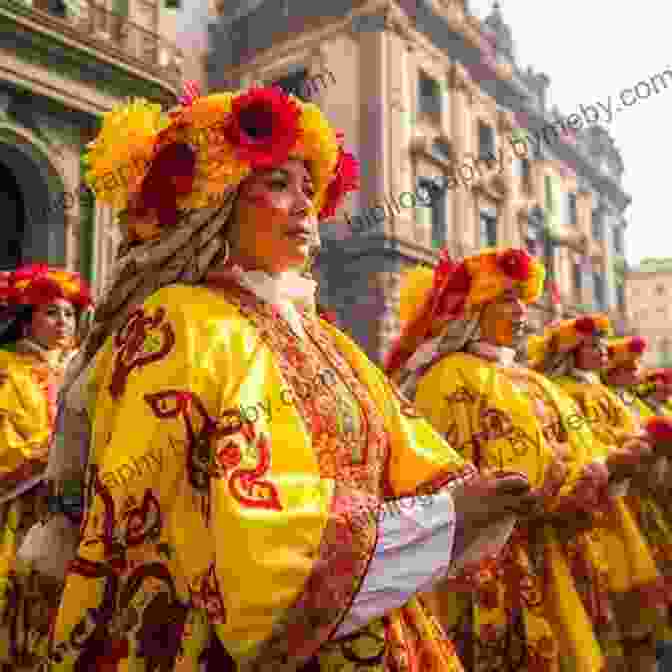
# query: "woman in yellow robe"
[[649, 491], [37, 340], [572, 352], [652, 398], [242, 450], [455, 359]]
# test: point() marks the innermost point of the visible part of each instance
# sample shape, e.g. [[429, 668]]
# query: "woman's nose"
[[302, 200], [518, 308]]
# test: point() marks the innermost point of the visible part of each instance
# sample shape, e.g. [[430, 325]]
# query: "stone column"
[[375, 120], [463, 224], [608, 259], [509, 231], [401, 169], [584, 208]]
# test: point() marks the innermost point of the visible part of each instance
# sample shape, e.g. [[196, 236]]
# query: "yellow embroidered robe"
[[28, 390], [632, 565], [526, 612], [236, 476], [645, 503]]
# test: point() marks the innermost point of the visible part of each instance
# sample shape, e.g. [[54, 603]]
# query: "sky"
[[591, 50]]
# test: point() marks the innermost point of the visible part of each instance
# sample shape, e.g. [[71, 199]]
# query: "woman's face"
[[504, 321], [592, 355], [274, 225], [625, 376], [54, 324]]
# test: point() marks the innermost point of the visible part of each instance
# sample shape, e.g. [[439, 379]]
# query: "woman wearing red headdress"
[[239, 510], [38, 331]]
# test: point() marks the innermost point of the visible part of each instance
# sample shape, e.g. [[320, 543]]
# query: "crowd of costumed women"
[[486, 500]]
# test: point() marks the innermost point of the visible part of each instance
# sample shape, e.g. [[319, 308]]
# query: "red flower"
[[29, 272], [659, 429], [515, 263], [637, 345], [345, 180], [451, 298], [170, 175], [585, 325], [263, 126], [41, 288], [229, 456]]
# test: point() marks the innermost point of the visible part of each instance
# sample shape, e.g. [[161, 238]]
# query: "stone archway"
[[31, 229]]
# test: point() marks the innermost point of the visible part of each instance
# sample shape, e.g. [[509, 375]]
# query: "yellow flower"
[[119, 156]]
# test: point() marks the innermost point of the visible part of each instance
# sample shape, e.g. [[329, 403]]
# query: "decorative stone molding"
[[504, 71], [461, 81], [506, 121], [492, 186], [455, 17], [422, 145]]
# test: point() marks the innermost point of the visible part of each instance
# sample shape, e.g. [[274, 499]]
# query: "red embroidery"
[[137, 348], [244, 484]]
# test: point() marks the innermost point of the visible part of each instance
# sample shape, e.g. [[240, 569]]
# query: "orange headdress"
[[566, 336], [194, 156], [625, 352], [454, 290], [37, 284]]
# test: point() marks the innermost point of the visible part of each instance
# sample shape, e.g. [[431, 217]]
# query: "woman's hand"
[[624, 462], [485, 499], [486, 508]]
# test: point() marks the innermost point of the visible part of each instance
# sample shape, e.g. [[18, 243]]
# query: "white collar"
[[495, 353], [284, 291]]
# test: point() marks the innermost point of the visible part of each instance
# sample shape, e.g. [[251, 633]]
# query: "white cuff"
[[415, 544]]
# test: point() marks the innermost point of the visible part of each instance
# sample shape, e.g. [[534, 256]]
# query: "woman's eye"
[[278, 184]]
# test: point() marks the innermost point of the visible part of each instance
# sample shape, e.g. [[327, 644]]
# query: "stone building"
[[648, 292], [428, 94], [63, 63]]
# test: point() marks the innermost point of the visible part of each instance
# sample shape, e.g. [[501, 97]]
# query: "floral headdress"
[[651, 378], [195, 155], [625, 352], [37, 284], [658, 375], [565, 336], [459, 289]]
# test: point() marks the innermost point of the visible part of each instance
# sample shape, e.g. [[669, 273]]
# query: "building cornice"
[[40, 39], [380, 244]]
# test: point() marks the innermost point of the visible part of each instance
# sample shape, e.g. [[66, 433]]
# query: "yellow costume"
[[30, 378], [260, 531], [232, 495], [643, 499], [634, 581], [511, 419], [526, 611]]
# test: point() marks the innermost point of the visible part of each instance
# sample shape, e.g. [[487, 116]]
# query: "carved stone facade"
[[62, 66], [423, 91]]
